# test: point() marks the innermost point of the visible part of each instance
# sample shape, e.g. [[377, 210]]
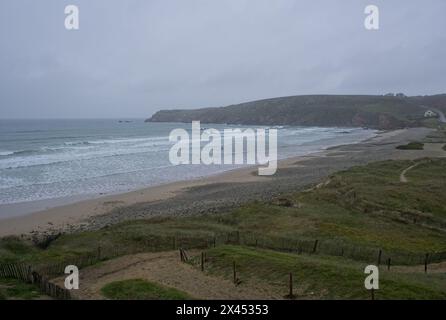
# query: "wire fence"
[[334, 248]]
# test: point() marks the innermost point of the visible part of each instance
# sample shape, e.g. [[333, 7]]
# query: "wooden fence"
[[26, 274], [41, 273]]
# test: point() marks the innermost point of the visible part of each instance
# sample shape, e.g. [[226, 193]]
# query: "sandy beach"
[[61, 216], [219, 192]]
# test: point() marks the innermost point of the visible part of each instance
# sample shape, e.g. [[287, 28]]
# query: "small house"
[[430, 114]]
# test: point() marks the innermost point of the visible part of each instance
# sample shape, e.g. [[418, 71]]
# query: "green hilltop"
[[379, 112]]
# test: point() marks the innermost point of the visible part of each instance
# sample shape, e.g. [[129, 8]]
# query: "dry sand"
[[220, 191], [166, 269], [76, 213]]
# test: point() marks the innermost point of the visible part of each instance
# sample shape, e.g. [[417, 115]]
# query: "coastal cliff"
[[379, 112]]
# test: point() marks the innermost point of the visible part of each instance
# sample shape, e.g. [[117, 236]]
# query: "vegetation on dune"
[[138, 289], [317, 276], [16, 289], [411, 146], [376, 209], [366, 208], [13, 249]]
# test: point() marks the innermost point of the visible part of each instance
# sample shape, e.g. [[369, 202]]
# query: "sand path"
[[403, 177], [164, 268]]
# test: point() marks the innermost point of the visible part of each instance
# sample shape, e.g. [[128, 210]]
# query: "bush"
[[412, 146]]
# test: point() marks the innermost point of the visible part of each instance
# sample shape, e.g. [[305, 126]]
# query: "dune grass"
[[14, 249], [16, 289], [138, 289], [316, 276]]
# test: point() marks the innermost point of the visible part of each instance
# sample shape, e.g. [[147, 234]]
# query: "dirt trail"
[[164, 268], [433, 150], [403, 178]]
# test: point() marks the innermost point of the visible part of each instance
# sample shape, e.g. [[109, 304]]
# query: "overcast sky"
[[131, 58]]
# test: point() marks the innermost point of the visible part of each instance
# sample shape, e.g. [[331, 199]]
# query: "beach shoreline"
[[76, 211], [154, 200]]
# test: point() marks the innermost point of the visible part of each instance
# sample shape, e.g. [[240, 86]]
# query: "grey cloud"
[[131, 58]]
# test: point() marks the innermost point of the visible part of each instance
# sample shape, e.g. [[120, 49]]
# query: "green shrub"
[[412, 146]]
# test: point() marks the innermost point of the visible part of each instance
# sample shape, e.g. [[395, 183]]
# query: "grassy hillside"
[[381, 112], [436, 101]]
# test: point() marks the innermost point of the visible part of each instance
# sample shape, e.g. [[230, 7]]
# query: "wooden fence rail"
[[26, 274], [40, 274]]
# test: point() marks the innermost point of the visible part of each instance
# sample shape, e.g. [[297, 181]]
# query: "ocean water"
[[50, 159]]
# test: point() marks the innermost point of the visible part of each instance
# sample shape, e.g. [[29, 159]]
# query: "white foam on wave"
[[81, 151], [91, 165]]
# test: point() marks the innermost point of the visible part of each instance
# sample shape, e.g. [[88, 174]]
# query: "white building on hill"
[[430, 114]]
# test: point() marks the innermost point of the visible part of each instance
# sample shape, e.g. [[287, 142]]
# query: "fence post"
[[99, 253], [11, 271], [388, 264], [426, 260], [214, 241], [373, 293], [379, 256], [234, 272], [202, 261], [174, 243], [315, 246], [291, 294], [16, 272]]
